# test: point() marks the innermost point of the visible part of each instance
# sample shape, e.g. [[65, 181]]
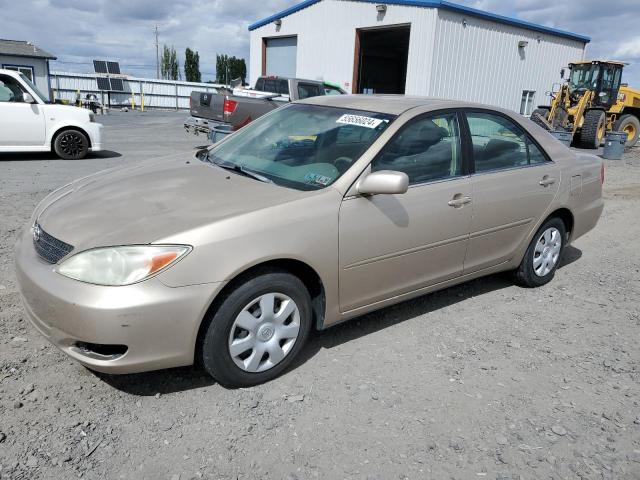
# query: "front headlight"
[[116, 266]]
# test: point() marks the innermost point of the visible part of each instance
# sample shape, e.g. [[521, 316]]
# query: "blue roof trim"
[[296, 8], [514, 21], [437, 4]]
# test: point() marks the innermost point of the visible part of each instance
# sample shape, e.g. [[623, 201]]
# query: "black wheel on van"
[[71, 145]]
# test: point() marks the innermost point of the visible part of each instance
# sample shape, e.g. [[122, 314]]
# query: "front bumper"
[[95, 132], [157, 324]]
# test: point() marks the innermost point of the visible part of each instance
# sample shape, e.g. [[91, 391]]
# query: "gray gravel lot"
[[485, 380]]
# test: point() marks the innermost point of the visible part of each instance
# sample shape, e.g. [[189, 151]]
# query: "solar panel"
[[113, 68], [117, 85], [100, 66], [103, 83]]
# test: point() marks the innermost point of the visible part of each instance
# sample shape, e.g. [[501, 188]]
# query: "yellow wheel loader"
[[591, 103]]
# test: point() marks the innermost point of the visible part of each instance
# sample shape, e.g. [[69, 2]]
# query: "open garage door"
[[381, 59], [279, 56]]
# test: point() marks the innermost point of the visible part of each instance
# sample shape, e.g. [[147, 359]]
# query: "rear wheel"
[[631, 126], [257, 330], [540, 112], [71, 145], [543, 255], [594, 129]]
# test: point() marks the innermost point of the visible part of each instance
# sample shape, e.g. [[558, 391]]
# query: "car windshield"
[[306, 147], [584, 77], [26, 80]]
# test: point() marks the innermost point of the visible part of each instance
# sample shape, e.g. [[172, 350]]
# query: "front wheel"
[[594, 128], [257, 330], [71, 145], [541, 260]]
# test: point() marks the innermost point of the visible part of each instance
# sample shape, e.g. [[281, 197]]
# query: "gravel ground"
[[484, 380]]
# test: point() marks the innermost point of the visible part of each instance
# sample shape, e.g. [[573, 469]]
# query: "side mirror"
[[383, 182], [27, 98], [562, 73]]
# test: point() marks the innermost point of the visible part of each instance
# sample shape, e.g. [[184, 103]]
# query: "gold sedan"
[[315, 213]]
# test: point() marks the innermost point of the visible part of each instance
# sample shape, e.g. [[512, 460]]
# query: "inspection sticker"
[[361, 121], [317, 179]]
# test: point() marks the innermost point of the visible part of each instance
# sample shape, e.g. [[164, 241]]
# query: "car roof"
[[390, 104], [12, 73]]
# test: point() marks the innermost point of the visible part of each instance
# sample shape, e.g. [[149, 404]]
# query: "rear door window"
[[270, 86], [306, 90], [283, 87], [498, 143]]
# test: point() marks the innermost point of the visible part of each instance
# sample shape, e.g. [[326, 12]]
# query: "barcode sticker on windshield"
[[367, 122]]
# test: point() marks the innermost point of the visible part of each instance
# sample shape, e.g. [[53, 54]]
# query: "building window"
[[26, 71], [526, 105]]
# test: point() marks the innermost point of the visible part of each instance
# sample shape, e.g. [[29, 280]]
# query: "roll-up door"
[[281, 56]]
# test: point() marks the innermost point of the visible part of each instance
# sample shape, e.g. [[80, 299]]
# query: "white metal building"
[[417, 47], [25, 57]]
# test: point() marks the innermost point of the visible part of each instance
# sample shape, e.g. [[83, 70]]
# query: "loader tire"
[[631, 126], [543, 112], [594, 129]]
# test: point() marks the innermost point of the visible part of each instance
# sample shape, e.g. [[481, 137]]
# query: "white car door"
[[21, 124]]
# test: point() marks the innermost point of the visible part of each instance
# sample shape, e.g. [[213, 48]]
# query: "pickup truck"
[[29, 123], [217, 115]]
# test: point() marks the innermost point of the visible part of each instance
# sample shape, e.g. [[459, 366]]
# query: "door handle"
[[458, 201], [546, 181]]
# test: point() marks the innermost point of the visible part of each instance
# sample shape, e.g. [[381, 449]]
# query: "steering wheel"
[[343, 163]]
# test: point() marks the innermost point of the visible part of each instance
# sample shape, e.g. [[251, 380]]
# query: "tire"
[[529, 273], [593, 129], [71, 145], [262, 337], [630, 124], [542, 112]]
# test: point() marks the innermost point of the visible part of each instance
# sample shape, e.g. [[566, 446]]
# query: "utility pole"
[[157, 55]]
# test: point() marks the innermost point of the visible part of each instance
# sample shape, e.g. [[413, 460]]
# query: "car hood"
[[141, 204], [67, 112]]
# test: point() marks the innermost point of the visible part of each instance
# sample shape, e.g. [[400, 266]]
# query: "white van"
[[29, 124]]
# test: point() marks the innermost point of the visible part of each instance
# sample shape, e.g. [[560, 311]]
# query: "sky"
[[77, 31]]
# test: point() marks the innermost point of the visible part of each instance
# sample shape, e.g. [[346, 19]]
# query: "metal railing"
[[139, 93]]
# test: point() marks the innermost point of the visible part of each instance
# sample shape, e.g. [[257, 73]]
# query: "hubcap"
[[601, 130], [547, 251], [264, 332], [630, 130], [71, 144]]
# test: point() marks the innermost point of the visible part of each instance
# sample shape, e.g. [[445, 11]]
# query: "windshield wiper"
[[239, 169]]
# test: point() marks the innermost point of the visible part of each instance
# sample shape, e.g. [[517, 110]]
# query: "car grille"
[[49, 248]]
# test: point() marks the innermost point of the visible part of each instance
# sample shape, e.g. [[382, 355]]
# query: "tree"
[[169, 67], [230, 68], [192, 66]]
